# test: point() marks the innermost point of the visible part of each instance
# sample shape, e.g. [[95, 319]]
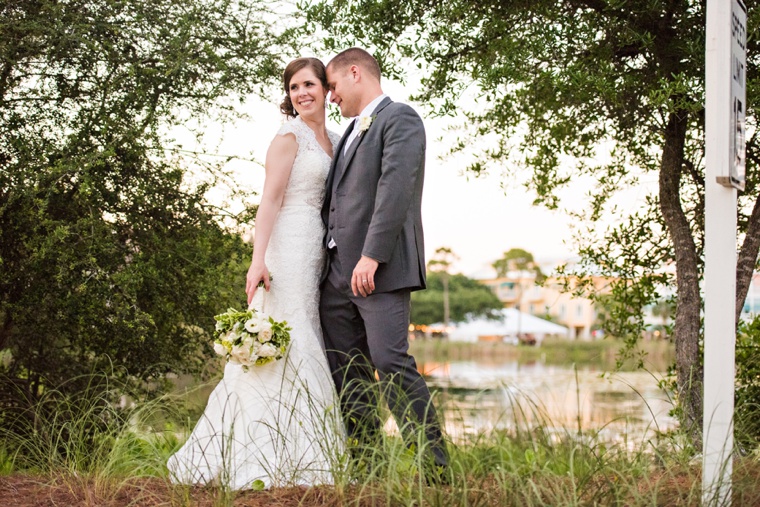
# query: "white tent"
[[514, 324]]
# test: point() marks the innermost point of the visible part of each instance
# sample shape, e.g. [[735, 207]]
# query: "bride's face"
[[307, 93]]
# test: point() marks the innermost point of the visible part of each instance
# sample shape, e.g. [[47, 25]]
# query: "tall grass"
[[82, 442], [98, 450]]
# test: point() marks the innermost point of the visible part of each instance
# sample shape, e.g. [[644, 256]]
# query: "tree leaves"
[[109, 249], [466, 296], [604, 89]]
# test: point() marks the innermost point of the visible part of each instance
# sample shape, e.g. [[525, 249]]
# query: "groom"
[[375, 256]]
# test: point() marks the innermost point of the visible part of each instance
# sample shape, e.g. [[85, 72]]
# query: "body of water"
[[513, 388], [480, 396]]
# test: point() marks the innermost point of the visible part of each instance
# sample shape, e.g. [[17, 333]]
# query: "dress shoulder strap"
[[297, 127]]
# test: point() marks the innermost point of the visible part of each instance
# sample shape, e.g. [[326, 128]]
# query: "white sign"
[[737, 145]]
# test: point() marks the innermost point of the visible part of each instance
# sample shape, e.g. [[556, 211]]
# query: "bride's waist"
[[301, 202]]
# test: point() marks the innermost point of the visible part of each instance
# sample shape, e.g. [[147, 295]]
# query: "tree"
[[468, 298], [111, 257], [612, 91], [441, 263], [517, 259]]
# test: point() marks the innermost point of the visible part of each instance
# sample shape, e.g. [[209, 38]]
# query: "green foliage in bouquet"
[[250, 337]]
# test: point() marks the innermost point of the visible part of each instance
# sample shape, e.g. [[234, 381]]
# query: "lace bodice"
[[310, 167], [294, 255]]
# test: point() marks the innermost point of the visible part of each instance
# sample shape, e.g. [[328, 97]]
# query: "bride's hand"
[[257, 274]]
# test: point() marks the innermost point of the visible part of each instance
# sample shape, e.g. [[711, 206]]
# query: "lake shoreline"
[[657, 356]]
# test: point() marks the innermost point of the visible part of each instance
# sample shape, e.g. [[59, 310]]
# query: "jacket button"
[[332, 209], [332, 227]]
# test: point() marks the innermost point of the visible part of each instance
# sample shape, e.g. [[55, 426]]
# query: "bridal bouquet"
[[250, 337]]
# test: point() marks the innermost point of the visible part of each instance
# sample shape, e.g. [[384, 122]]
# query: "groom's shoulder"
[[400, 107], [401, 111]]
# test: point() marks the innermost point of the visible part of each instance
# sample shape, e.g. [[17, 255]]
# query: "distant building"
[[752, 303], [558, 303], [551, 299]]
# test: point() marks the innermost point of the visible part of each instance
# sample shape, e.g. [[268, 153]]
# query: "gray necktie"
[[352, 136]]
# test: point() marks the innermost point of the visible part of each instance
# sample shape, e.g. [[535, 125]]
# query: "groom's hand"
[[363, 279]]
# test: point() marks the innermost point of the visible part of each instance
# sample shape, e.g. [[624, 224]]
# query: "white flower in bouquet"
[[267, 350], [220, 349], [265, 335], [241, 353], [250, 345], [253, 325]]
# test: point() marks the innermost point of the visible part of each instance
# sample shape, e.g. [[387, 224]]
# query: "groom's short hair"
[[356, 56]]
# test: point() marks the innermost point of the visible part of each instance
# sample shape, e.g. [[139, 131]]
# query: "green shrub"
[[747, 397]]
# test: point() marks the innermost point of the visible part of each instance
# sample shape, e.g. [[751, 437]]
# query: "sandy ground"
[[30, 491]]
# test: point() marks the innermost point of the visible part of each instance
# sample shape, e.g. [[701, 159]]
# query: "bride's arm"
[[279, 163]]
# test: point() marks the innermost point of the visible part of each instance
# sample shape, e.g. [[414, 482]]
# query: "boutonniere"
[[364, 123]]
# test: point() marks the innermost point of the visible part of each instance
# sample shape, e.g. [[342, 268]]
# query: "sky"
[[479, 218]]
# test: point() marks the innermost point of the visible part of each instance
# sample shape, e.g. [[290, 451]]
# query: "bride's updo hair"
[[316, 65]]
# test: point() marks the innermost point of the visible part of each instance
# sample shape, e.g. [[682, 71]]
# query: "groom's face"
[[344, 90]]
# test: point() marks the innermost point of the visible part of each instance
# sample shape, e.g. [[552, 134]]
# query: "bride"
[[279, 424]]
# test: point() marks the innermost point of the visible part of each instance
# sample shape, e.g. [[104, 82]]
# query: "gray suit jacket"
[[373, 198]]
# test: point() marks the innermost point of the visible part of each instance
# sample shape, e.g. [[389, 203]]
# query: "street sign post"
[[725, 94]]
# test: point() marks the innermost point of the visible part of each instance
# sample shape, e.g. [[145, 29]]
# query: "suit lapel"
[[335, 161], [355, 145]]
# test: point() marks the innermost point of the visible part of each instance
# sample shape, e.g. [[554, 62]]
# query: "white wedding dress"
[[278, 423]]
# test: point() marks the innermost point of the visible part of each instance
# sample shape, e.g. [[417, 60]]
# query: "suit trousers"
[[366, 334]]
